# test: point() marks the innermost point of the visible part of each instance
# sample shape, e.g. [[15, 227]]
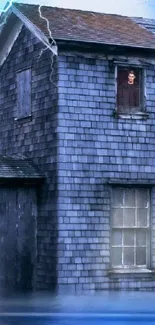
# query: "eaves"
[[11, 24], [100, 47], [34, 29]]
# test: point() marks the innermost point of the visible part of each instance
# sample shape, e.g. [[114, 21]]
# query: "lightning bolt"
[[52, 43], [4, 10], [7, 7]]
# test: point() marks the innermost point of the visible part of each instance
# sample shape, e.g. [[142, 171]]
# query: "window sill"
[[130, 271], [132, 116], [23, 119]]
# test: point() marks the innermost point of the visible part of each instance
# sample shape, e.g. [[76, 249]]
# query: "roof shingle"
[[146, 22], [18, 167], [78, 25]]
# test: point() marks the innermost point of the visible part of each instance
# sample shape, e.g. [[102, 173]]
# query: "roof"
[[18, 167], [147, 23], [87, 26]]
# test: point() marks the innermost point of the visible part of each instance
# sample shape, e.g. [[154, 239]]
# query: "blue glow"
[[2, 5]]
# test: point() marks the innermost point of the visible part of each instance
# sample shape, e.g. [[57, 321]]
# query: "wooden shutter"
[[24, 94]]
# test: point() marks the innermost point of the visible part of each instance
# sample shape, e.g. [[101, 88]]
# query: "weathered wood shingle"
[[78, 25]]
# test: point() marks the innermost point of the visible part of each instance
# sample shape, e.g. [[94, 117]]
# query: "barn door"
[[17, 238]]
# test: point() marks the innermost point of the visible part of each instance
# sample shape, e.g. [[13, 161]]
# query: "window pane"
[[130, 197], [129, 244], [128, 237], [142, 198], [117, 217], [118, 197], [142, 217], [140, 237], [129, 217], [141, 256], [116, 237], [128, 255], [116, 256]]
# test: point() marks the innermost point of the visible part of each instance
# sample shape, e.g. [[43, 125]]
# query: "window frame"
[[139, 113], [135, 268]]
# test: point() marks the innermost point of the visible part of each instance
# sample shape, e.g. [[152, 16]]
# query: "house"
[[77, 150]]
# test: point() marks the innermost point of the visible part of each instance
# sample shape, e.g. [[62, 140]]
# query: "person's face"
[[131, 78]]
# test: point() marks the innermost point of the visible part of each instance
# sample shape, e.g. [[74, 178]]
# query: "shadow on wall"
[[26, 270], [18, 276]]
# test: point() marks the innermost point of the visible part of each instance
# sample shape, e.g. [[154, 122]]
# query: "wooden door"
[[18, 212]]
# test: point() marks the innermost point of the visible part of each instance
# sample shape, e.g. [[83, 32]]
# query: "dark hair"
[[131, 72]]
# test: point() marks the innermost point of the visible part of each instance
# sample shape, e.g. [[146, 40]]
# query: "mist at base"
[[106, 302]]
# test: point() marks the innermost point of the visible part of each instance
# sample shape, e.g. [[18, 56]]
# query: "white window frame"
[[134, 228]]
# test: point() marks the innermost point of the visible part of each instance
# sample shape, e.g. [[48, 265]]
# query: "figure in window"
[[128, 94]]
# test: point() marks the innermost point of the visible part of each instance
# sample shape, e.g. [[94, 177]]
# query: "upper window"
[[129, 90], [130, 228], [23, 94]]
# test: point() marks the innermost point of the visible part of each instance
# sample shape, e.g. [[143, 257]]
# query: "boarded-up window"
[[24, 94], [130, 228]]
